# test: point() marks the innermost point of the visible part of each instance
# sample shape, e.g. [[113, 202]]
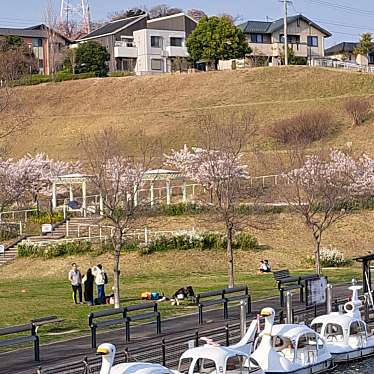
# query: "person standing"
[[88, 281], [100, 280], [75, 279]]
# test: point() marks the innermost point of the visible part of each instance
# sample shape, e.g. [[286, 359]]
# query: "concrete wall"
[[146, 53]]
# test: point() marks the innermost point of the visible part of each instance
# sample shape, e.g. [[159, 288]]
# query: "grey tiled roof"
[[347, 47], [270, 27], [23, 32], [112, 27]]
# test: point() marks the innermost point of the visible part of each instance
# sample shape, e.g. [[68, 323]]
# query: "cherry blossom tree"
[[220, 169], [319, 187], [39, 170], [119, 177]]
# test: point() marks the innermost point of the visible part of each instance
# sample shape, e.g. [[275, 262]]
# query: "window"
[[317, 327], [176, 42], [37, 42], [156, 64], [333, 332], [292, 39], [312, 41], [357, 328], [184, 365], [257, 38], [205, 366], [236, 363], [156, 41]]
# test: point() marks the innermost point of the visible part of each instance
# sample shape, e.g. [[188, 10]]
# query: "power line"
[[345, 8]]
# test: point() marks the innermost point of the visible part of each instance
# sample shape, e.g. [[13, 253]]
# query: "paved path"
[[54, 354]]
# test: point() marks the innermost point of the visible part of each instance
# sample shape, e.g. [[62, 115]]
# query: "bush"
[[45, 217], [204, 241], [118, 74], [331, 257], [29, 249], [357, 110], [180, 209], [59, 77], [303, 128]]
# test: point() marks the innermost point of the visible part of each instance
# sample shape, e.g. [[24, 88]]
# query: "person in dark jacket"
[[88, 281]]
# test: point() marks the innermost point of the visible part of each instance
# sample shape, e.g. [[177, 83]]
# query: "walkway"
[[21, 361]]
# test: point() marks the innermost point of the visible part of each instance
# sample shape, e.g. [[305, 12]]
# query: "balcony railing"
[[125, 49]]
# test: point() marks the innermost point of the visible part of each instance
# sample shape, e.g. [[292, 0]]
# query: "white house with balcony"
[[145, 46], [266, 39]]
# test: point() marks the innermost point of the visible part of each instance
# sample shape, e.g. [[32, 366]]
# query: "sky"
[[345, 20]]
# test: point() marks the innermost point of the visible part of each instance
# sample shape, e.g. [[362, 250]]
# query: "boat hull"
[[353, 355], [321, 367]]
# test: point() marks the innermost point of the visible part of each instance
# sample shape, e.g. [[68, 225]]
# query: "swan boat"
[[346, 334], [212, 358], [108, 352], [289, 348]]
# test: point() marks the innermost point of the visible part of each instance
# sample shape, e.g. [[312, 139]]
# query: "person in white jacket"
[[100, 280]]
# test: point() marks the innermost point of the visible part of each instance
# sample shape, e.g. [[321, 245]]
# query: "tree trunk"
[[317, 252], [116, 273], [230, 257]]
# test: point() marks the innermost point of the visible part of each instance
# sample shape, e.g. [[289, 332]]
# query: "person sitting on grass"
[[88, 281], [75, 279], [264, 266]]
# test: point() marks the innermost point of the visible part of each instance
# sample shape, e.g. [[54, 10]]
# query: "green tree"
[[293, 59], [92, 57], [365, 44], [216, 38]]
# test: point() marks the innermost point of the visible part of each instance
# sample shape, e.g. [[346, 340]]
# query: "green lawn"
[[23, 300]]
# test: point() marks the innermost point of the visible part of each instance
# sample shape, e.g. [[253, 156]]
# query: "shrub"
[[204, 241], [118, 74], [357, 110], [45, 217], [30, 249], [331, 257], [303, 128], [180, 209]]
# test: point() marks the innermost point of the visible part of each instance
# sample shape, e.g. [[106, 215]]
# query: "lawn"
[[84, 107], [39, 291]]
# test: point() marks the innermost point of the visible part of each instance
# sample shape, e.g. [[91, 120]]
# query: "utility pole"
[[285, 30]]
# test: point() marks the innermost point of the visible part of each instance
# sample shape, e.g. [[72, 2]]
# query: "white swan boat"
[[346, 334], [108, 352], [289, 348], [212, 358]]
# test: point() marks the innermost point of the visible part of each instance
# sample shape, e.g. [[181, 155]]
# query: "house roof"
[[344, 47], [44, 27], [270, 27], [113, 27], [171, 16], [28, 33]]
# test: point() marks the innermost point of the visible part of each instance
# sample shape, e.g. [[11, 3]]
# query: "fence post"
[[67, 228], [243, 318], [100, 233], [146, 236], [329, 298], [289, 306], [227, 333], [163, 347], [20, 228], [197, 337], [89, 232]]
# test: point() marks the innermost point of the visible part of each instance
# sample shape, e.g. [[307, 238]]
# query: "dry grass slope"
[[167, 105]]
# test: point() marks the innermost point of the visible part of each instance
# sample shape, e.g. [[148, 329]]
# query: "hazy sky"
[[346, 20]]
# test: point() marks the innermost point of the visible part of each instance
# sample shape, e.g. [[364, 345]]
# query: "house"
[[306, 38], [145, 46], [37, 38], [345, 51]]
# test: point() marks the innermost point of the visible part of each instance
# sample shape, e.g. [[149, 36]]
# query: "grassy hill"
[[167, 106]]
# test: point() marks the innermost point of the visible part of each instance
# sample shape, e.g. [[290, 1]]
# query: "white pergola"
[[163, 175], [70, 180]]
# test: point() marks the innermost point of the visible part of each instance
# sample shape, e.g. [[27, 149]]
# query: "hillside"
[[166, 106]]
